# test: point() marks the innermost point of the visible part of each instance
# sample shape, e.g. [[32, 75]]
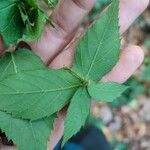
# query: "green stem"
[[77, 75]]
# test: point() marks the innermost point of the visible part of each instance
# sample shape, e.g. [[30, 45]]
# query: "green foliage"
[[28, 90], [99, 91], [33, 32], [25, 134], [21, 20], [77, 113], [11, 25], [136, 88], [44, 88], [94, 60], [21, 60]]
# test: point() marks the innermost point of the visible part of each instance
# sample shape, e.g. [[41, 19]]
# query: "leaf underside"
[[21, 60], [49, 90], [21, 24], [25, 134], [98, 51], [32, 33], [77, 113], [11, 25], [106, 92]]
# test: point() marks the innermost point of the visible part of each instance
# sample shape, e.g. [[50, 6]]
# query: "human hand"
[[68, 16]]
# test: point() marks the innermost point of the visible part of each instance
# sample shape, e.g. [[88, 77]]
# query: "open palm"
[[57, 45]]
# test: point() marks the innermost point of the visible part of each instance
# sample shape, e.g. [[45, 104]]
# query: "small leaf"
[[77, 113], [38, 93], [20, 60], [98, 51], [11, 25], [34, 31], [106, 92], [25, 134]]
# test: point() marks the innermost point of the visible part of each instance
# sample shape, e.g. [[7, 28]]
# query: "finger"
[[129, 11], [57, 132], [68, 52], [130, 59], [3, 147], [68, 16], [65, 58]]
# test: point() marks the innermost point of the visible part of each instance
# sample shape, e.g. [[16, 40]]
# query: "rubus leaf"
[[77, 113], [33, 32], [98, 51], [106, 92], [25, 134], [20, 60], [38, 93], [11, 25], [34, 20], [19, 23]]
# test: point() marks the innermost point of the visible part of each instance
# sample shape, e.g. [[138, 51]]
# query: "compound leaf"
[[98, 51], [106, 92], [77, 113]]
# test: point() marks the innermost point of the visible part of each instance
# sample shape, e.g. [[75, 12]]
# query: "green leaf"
[[20, 60], [38, 93], [106, 92], [34, 31], [25, 134], [32, 3], [98, 51], [11, 25], [22, 20], [77, 113]]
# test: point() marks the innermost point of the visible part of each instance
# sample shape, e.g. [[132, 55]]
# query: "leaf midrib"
[[14, 64], [100, 43], [41, 91]]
